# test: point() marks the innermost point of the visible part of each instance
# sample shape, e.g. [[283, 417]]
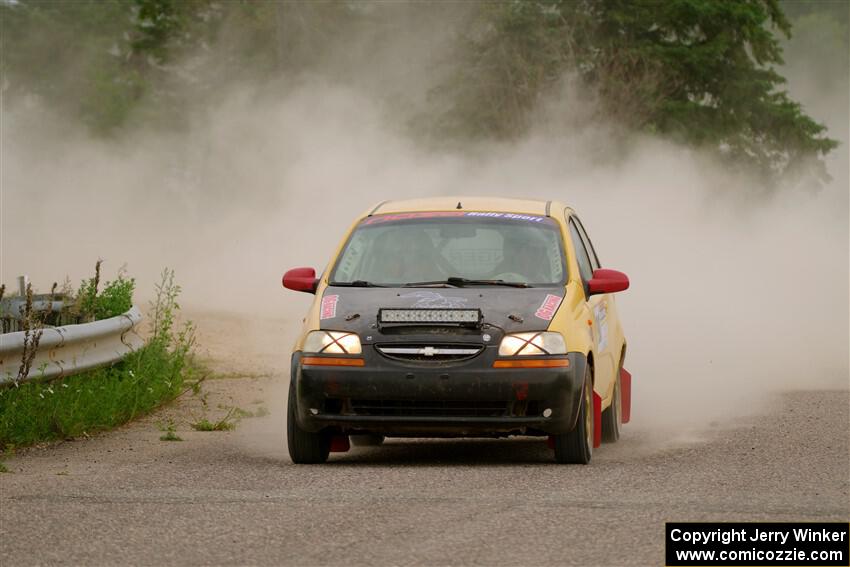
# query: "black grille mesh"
[[433, 408], [420, 357]]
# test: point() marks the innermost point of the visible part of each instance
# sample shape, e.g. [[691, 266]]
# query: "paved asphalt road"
[[233, 498]]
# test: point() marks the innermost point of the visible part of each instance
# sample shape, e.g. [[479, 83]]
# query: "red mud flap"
[[597, 420], [340, 444], [626, 394]]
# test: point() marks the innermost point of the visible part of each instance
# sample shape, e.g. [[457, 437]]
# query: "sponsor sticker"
[[511, 216], [600, 313], [405, 216], [379, 219], [547, 309], [329, 303]]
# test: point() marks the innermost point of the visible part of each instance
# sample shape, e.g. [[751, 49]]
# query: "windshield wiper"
[[443, 283], [356, 283], [465, 281], [461, 282]]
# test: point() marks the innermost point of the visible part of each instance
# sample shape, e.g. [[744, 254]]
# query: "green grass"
[[3, 468], [91, 401], [207, 425], [106, 397], [226, 423], [170, 435]]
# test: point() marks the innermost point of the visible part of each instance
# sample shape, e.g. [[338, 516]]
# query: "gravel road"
[[234, 498]]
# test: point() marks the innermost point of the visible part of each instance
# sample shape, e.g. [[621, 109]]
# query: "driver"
[[523, 258]]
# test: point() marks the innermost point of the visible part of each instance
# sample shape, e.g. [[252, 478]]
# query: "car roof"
[[490, 204]]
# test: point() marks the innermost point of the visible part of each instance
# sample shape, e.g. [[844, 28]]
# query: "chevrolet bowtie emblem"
[[429, 351]]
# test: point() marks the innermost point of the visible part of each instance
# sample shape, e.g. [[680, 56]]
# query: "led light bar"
[[430, 316]]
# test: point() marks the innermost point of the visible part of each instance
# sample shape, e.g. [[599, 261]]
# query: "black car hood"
[[504, 310]]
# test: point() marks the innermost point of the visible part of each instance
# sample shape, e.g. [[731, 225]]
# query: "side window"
[[594, 261], [581, 254]]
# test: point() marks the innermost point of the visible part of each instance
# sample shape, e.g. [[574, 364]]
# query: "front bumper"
[[460, 399]]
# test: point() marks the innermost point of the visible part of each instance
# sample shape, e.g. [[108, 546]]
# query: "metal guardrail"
[[67, 350], [50, 308], [14, 306]]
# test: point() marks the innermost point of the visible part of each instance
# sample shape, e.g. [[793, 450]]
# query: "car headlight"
[[538, 343], [332, 342]]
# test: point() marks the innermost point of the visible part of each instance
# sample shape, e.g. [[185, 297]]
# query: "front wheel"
[[577, 445], [305, 447]]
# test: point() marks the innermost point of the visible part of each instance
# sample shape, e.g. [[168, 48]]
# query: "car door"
[[604, 364]]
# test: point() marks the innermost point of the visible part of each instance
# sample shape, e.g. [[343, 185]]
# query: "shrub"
[[116, 298]]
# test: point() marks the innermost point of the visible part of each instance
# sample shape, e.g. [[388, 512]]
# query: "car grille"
[[432, 353], [432, 408]]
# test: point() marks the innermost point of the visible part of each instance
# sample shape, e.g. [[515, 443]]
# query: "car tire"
[[305, 447], [612, 418], [576, 447], [367, 440]]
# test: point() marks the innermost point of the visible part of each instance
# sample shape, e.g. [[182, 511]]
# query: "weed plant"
[[226, 423]]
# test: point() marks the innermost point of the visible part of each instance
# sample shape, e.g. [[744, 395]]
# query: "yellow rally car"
[[453, 317]]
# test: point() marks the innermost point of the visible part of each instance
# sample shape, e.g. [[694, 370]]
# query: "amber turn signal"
[[332, 361], [537, 363]]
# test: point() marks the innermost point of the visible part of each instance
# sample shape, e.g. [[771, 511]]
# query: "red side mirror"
[[607, 281], [301, 279]]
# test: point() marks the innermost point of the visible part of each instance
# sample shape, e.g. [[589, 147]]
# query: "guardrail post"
[[23, 282]]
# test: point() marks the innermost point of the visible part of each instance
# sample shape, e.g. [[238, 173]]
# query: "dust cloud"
[[737, 290]]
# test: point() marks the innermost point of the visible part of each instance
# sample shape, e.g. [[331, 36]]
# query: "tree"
[[701, 72], [96, 59], [72, 55]]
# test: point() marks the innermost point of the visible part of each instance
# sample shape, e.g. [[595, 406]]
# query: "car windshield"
[[452, 247]]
